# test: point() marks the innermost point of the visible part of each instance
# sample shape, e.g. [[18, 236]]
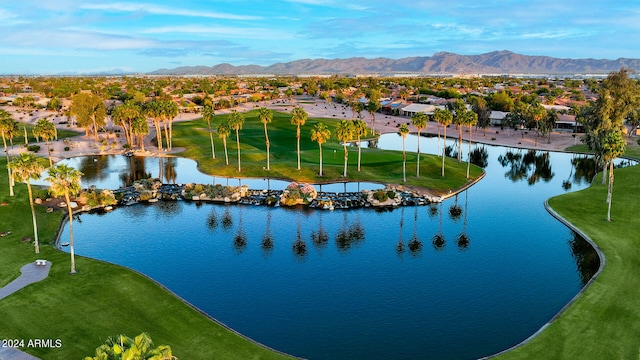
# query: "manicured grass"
[[377, 165], [604, 323], [101, 300]]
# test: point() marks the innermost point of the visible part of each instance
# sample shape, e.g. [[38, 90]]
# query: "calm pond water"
[[458, 280]]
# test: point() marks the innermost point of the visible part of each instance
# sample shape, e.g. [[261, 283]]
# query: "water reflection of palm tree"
[[94, 167], [415, 245], [400, 245], [439, 241], [463, 239], [170, 170], [348, 236], [161, 167], [299, 247], [240, 240], [455, 210], [227, 220], [532, 166], [585, 169], [320, 238], [137, 170], [212, 219], [587, 260], [566, 184], [267, 239], [480, 156]]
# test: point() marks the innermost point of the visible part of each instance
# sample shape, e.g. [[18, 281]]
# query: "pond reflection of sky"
[[378, 287]]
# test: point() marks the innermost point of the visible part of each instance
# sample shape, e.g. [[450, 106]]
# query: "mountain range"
[[496, 62]]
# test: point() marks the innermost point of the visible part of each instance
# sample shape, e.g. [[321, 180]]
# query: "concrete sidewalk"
[[31, 273]]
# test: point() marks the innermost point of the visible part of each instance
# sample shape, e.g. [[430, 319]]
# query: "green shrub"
[[391, 194], [380, 195], [66, 148], [34, 148]]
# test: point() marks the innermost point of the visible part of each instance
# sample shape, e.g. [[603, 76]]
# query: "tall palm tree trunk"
[[298, 145], [444, 147], [238, 146], [359, 156], [469, 152], [346, 158], [213, 149], [268, 144], [49, 154], [156, 123], [226, 154], [404, 163], [460, 143], [418, 163], [320, 145], [6, 150], [33, 217], [71, 248], [610, 191], [166, 134]]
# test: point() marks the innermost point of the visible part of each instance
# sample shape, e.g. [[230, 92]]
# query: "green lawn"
[[377, 165], [604, 323], [100, 301]]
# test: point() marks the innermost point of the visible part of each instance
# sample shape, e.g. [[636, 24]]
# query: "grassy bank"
[[100, 301], [377, 165], [604, 323]]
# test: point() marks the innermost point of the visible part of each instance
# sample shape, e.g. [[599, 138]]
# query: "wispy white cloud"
[[227, 31], [162, 10], [8, 18]]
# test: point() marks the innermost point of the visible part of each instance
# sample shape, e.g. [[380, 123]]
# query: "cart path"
[[30, 273]]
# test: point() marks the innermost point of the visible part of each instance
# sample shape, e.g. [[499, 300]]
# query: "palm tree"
[[298, 118], [168, 111], [265, 115], [45, 130], [360, 130], [207, 115], [471, 118], [65, 181], [458, 110], [223, 132], [152, 110], [8, 126], [236, 120], [372, 107], [25, 168], [320, 134], [122, 347], [125, 114], [419, 120], [403, 131], [344, 133], [444, 118], [140, 128], [613, 146]]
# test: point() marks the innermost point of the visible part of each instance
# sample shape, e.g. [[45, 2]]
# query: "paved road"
[[31, 273]]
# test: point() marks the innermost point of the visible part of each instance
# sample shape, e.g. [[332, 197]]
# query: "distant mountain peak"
[[495, 62]]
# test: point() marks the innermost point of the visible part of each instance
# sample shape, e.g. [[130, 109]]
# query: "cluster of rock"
[[151, 190]]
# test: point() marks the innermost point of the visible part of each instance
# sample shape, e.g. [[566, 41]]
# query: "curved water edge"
[[57, 245], [478, 241], [603, 262]]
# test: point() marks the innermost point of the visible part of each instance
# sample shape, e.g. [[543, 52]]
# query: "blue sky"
[[51, 37]]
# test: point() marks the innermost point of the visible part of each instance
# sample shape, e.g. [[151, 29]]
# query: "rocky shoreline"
[[153, 190]]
